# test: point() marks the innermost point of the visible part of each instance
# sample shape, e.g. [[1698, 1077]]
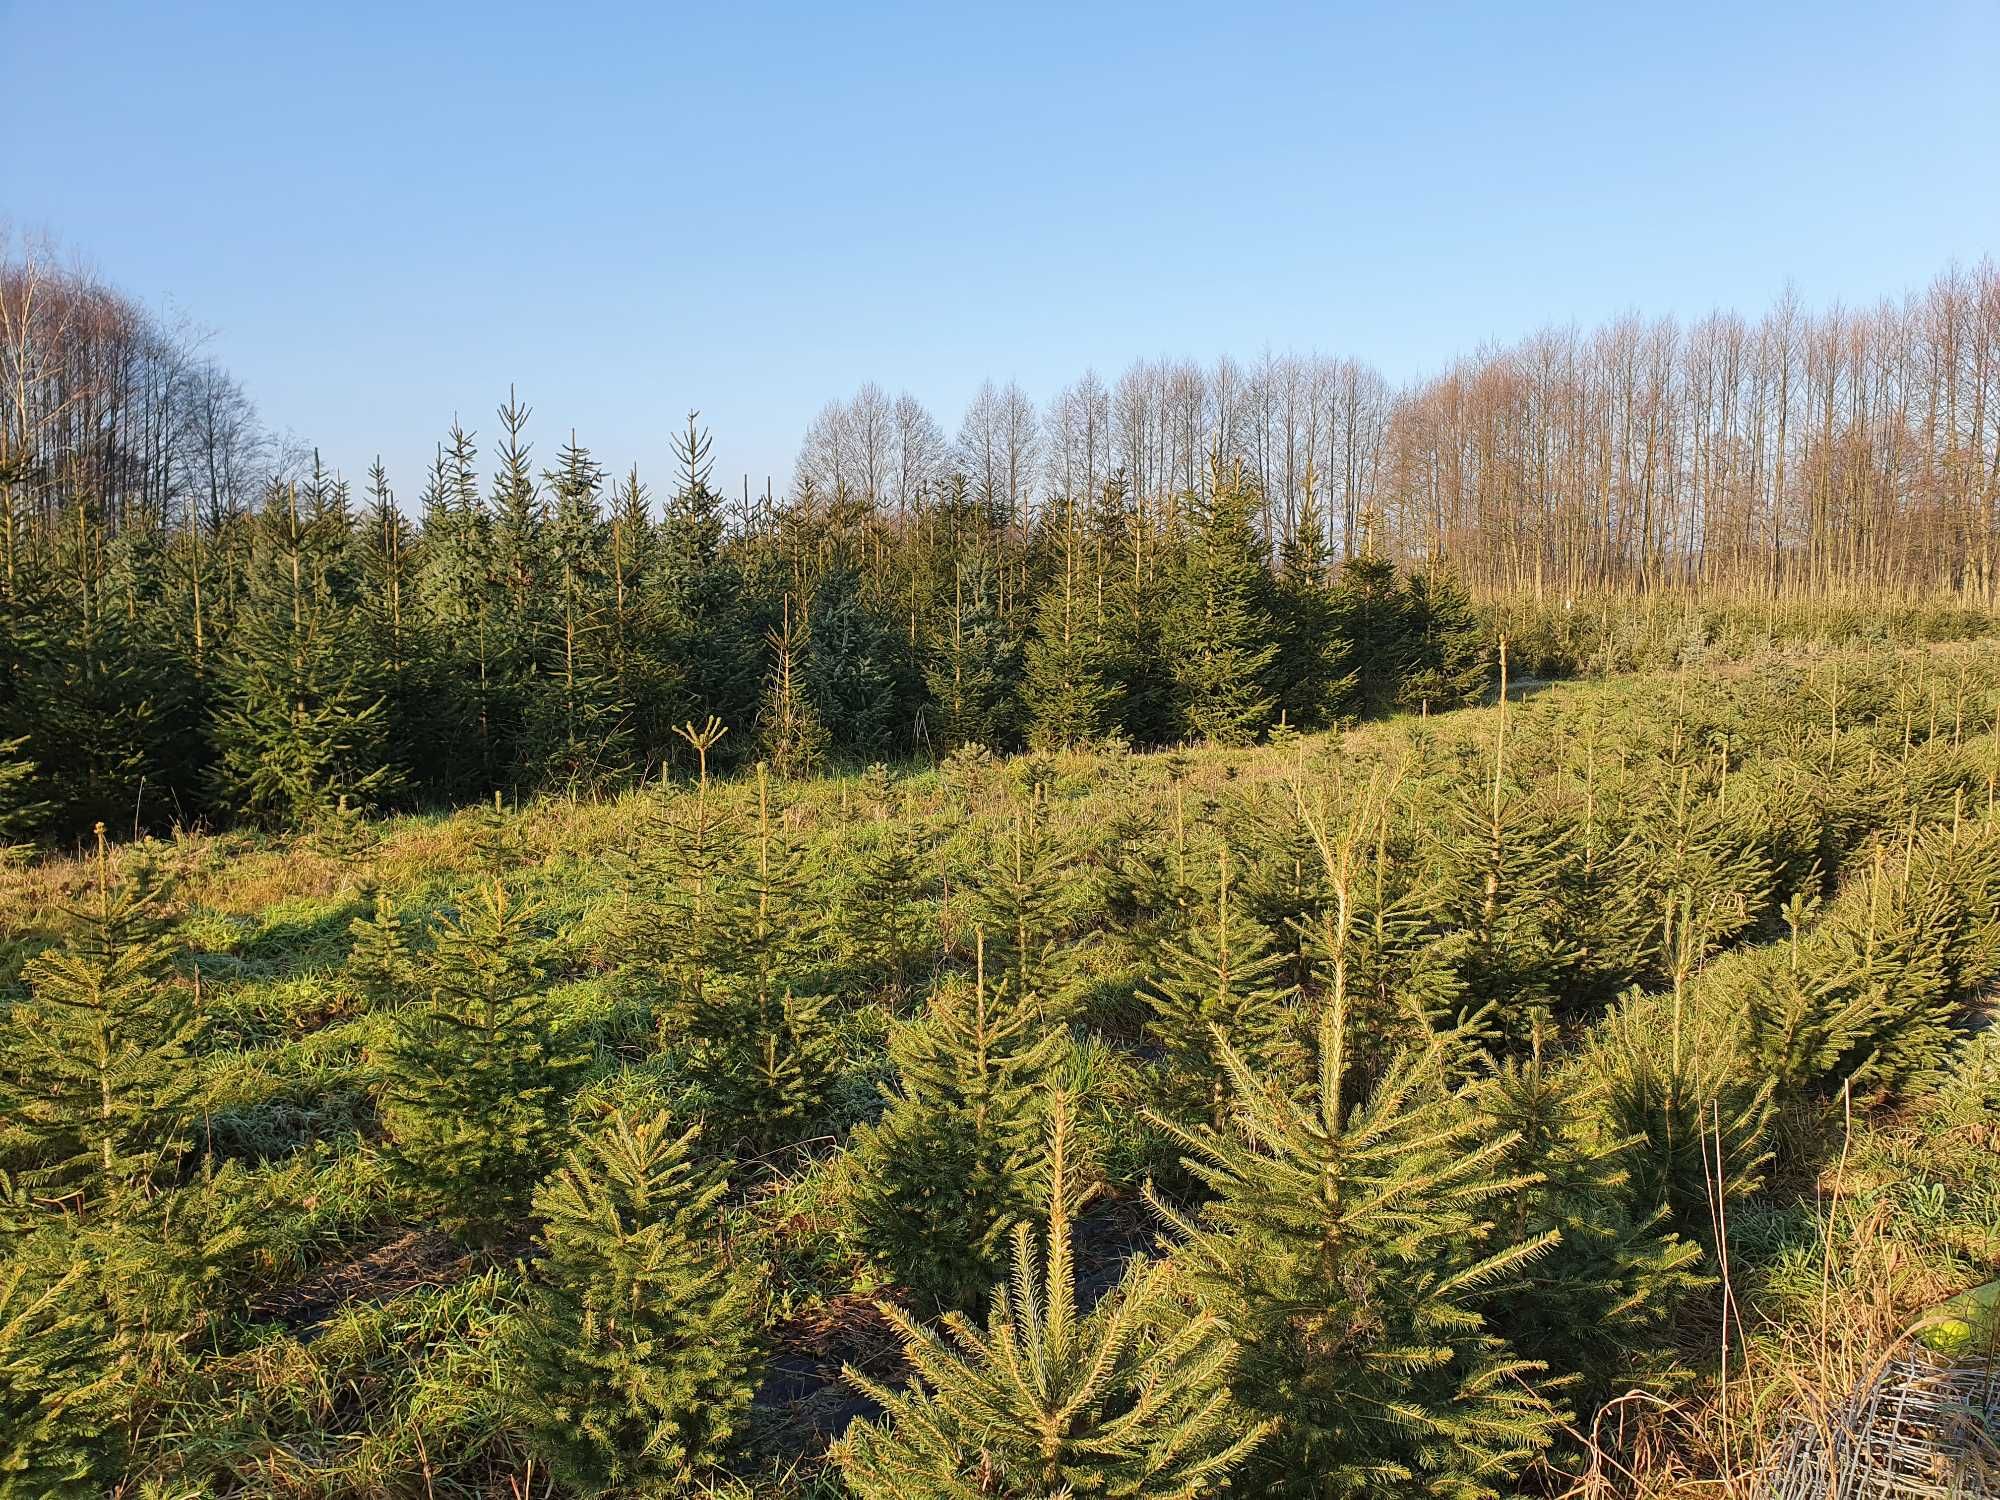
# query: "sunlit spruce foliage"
[[1362, 1113]]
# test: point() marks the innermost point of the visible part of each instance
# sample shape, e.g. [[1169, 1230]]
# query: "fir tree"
[[888, 921], [1217, 633], [790, 733], [474, 1074], [1023, 899], [59, 1438], [303, 718], [945, 1173], [577, 733], [707, 633], [1050, 1401], [1348, 1251], [635, 1359], [974, 663], [381, 970], [1224, 980], [1368, 614], [1447, 658], [20, 813], [1598, 1308], [850, 671], [1312, 676], [99, 1078], [1069, 698]]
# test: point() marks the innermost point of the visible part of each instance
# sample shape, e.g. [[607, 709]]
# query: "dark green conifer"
[[635, 1359], [60, 1436], [1128, 1399], [945, 1173], [1349, 1250], [1217, 631], [473, 1073]]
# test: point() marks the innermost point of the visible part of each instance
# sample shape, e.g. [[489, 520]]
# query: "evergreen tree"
[[59, 1439], [1069, 698], [791, 736], [99, 1080], [1368, 614], [1448, 661], [1347, 1250], [945, 1173], [635, 1359], [850, 668], [1023, 900], [707, 631], [19, 813], [1598, 1308], [1217, 631], [1050, 1401], [303, 719], [474, 1074], [1224, 981], [888, 921], [381, 969], [577, 734], [974, 663], [1312, 676]]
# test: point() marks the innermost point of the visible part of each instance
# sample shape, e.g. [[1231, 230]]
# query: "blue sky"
[[389, 212]]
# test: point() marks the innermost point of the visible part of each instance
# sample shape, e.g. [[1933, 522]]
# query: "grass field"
[[1748, 916]]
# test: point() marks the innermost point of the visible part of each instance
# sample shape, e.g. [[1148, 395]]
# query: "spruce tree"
[[1312, 674], [1050, 1402], [1448, 661], [974, 662], [1224, 981], [1217, 630], [635, 1358], [303, 718], [577, 734], [707, 632], [1368, 615], [886, 914], [947, 1171], [59, 1436], [381, 970], [1067, 691], [20, 811], [791, 736], [1598, 1308], [99, 1078], [1024, 899], [1349, 1250], [473, 1074]]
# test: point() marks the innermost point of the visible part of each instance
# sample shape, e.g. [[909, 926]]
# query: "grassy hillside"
[[1654, 1006]]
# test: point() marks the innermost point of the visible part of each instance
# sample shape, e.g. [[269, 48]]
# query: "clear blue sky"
[[389, 212]]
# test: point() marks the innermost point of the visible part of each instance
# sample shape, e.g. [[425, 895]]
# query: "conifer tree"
[[1448, 662], [1023, 898], [59, 1439], [303, 719], [972, 671], [707, 630], [635, 1359], [474, 1074], [889, 924], [381, 969], [19, 811], [1050, 1401], [945, 1173], [1069, 698], [1217, 631], [1312, 674], [1597, 1309], [1223, 980], [849, 661], [1368, 614], [790, 734], [98, 1077], [1348, 1250], [577, 733]]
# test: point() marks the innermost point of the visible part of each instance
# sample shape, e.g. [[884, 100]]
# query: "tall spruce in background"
[[635, 1358], [1069, 698], [1312, 675], [1217, 629], [707, 634], [791, 736], [577, 735], [303, 720], [1448, 658], [974, 662]]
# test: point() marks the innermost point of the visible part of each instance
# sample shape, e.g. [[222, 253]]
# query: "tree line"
[[543, 628]]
